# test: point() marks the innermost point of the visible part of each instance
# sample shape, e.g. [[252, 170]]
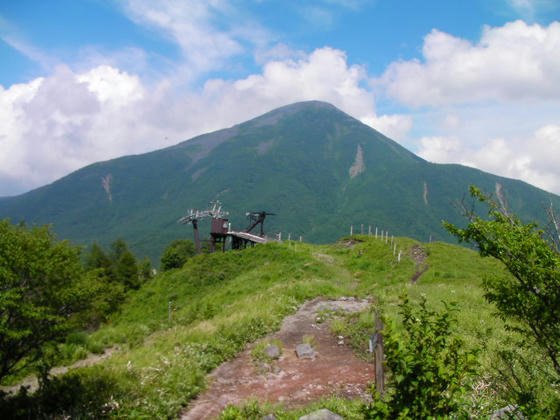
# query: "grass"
[[185, 322]]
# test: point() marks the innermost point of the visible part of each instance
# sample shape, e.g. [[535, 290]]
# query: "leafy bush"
[[43, 293], [427, 365], [528, 300], [77, 395], [177, 253]]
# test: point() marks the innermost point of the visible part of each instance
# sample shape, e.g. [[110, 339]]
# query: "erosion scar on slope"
[[359, 166], [420, 264]]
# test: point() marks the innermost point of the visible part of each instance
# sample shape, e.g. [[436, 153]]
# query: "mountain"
[[317, 168]]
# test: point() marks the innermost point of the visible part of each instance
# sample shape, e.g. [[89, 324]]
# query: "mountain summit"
[[316, 167]]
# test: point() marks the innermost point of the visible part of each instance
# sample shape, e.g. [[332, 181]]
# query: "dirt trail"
[[31, 381], [293, 382]]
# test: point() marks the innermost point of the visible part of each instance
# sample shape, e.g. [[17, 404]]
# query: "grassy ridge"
[[221, 302]]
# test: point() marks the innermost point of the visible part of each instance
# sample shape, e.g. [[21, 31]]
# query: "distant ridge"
[[315, 166]]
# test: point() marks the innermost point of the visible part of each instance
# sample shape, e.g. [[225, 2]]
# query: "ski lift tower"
[[192, 217], [216, 213], [220, 226], [256, 218]]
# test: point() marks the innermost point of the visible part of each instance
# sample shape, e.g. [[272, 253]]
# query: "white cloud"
[[276, 52], [515, 62], [57, 124], [207, 32], [533, 159], [395, 126]]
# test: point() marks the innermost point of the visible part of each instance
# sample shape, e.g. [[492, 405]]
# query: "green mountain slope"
[[318, 168]]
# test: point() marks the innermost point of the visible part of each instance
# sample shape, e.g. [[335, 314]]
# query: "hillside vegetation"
[[316, 167], [183, 323]]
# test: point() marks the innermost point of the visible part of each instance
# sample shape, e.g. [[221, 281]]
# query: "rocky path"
[[293, 382], [32, 383]]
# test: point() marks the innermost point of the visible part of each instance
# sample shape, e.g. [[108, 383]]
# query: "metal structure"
[[220, 227], [256, 218], [193, 216]]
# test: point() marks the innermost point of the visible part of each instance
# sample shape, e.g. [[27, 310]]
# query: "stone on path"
[[305, 351], [269, 417], [272, 351], [508, 412], [322, 414]]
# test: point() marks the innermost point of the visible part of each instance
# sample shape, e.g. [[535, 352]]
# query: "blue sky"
[[472, 82]]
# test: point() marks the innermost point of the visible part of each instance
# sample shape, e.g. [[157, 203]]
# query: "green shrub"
[[427, 366]]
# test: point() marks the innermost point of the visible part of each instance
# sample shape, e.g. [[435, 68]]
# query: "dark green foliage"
[[529, 299], [111, 276], [42, 290], [145, 270], [97, 259], [118, 248], [126, 270], [77, 395], [177, 253], [293, 161], [427, 364]]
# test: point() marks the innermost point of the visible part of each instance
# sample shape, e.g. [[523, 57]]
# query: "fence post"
[[351, 230], [379, 355], [362, 229], [369, 230], [375, 232]]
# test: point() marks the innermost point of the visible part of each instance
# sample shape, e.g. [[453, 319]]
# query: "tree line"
[[50, 288]]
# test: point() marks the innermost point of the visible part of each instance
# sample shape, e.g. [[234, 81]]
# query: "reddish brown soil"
[[290, 381]]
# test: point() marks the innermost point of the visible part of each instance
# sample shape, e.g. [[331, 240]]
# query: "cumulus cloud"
[[533, 159], [57, 124], [394, 126], [515, 62]]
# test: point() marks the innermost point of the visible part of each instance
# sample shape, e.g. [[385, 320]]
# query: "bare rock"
[[508, 412], [305, 351], [269, 417], [272, 351], [322, 414]]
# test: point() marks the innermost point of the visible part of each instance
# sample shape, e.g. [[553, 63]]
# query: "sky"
[[472, 82]]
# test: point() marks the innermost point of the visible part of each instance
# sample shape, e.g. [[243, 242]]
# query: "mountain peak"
[[273, 116]]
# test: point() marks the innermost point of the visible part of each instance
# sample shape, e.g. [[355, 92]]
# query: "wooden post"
[[386, 237], [399, 259], [369, 230], [379, 355], [394, 249], [290, 236], [375, 232], [300, 238], [362, 229], [351, 230]]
